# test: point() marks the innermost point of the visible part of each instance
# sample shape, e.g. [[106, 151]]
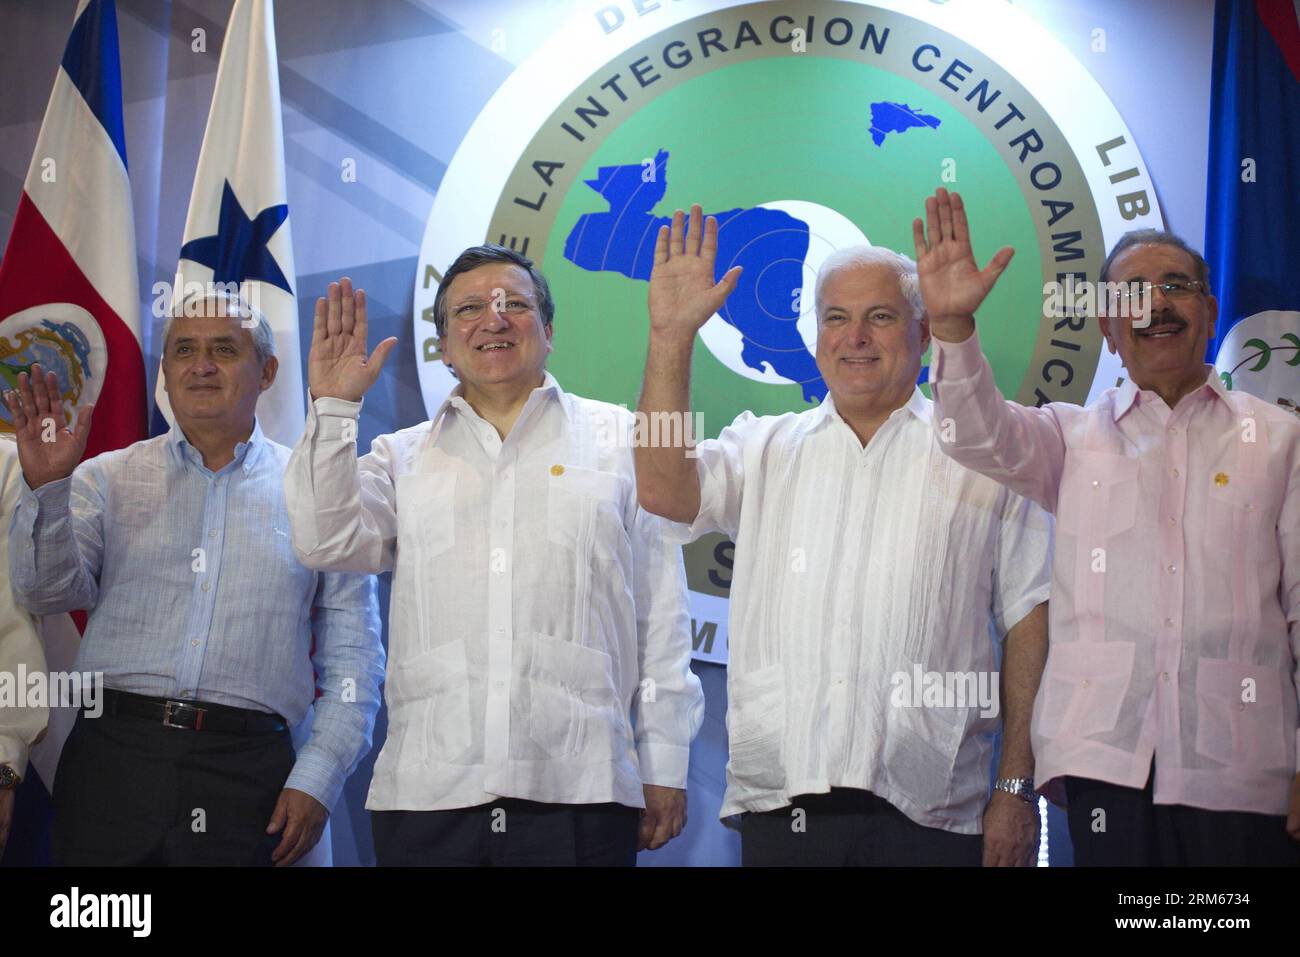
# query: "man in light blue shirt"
[[202, 622]]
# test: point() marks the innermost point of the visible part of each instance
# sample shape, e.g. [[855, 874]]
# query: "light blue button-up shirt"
[[194, 592]]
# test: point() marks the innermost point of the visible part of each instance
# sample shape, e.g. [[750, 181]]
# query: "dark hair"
[[484, 255], [1157, 237]]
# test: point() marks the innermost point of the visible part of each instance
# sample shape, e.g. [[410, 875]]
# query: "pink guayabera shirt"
[[1175, 608]]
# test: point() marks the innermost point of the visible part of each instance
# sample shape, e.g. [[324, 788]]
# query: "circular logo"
[[66, 340], [803, 128]]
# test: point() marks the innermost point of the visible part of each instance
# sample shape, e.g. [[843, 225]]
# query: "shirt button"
[[194, 642], [1096, 484], [212, 533], [1175, 472], [1169, 623], [1250, 507], [205, 586], [1173, 569], [1085, 682], [1172, 520], [1164, 676]]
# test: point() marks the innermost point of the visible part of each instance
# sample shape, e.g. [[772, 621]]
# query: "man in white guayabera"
[[539, 689], [866, 562]]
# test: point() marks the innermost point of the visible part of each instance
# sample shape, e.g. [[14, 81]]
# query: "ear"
[[1104, 322], [925, 332], [548, 331], [269, 370], [1214, 314]]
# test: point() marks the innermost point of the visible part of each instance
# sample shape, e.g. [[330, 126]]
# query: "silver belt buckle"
[[171, 707]]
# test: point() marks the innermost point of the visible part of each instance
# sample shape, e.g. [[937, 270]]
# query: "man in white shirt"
[[539, 686], [21, 722], [874, 579]]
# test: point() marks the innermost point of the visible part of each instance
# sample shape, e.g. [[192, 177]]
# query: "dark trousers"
[[1113, 826], [131, 791], [850, 828], [509, 832]]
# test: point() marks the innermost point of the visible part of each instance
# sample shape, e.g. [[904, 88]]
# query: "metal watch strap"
[[1022, 788]]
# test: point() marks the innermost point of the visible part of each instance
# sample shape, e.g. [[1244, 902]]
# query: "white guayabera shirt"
[[866, 582], [539, 639]]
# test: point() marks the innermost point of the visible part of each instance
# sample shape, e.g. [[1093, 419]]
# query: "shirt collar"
[[456, 398], [246, 453], [917, 405], [1128, 393]]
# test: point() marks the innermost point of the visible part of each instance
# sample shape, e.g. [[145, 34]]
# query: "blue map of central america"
[[771, 246]]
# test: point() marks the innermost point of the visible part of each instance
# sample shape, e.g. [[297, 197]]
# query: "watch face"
[[8, 777]]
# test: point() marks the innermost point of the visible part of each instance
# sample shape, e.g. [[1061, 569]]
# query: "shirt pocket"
[[1084, 684], [756, 728], [429, 706], [573, 707], [1099, 495], [1239, 715], [1239, 518], [426, 512], [585, 512]]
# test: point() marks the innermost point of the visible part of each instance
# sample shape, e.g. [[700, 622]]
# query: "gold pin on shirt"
[[557, 469], [1221, 479]]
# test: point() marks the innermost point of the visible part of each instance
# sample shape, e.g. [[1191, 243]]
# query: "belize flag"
[[1252, 241], [69, 296], [237, 236]]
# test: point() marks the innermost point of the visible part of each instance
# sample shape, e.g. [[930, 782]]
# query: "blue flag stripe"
[[91, 61]]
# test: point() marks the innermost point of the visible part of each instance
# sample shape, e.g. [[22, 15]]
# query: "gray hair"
[[1157, 237], [863, 256], [250, 317]]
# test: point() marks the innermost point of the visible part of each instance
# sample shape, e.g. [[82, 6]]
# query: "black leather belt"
[[193, 715]]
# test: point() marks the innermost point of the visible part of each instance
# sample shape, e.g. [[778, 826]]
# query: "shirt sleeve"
[[669, 705], [56, 542], [21, 725], [720, 463], [1022, 577], [1020, 447], [342, 513], [349, 663], [1288, 540]]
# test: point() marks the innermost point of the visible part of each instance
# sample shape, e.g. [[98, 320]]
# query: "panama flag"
[[237, 231], [69, 294], [1252, 242]]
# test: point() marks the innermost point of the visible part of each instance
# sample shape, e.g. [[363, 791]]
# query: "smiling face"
[[869, 342], [1171, 349], [495, 335], [211, 371]]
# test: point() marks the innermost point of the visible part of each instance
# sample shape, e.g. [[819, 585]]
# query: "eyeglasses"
[[476, 309], [1143, 291]]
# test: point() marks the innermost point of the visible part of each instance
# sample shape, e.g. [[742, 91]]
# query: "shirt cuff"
[[664, 765], [52, 498], [13, 752], [316, 775], [331, 405], [956, 360]]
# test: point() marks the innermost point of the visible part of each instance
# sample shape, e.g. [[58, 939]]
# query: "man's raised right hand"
[[47, 450], [337, 365], [683, 294]]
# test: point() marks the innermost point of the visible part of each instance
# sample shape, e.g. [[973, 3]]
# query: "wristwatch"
[[8, 778], [1022, 788]]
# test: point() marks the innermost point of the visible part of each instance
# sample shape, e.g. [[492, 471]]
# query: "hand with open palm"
[[952, 285], [337, 364], [683, 294], [47, 450]]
